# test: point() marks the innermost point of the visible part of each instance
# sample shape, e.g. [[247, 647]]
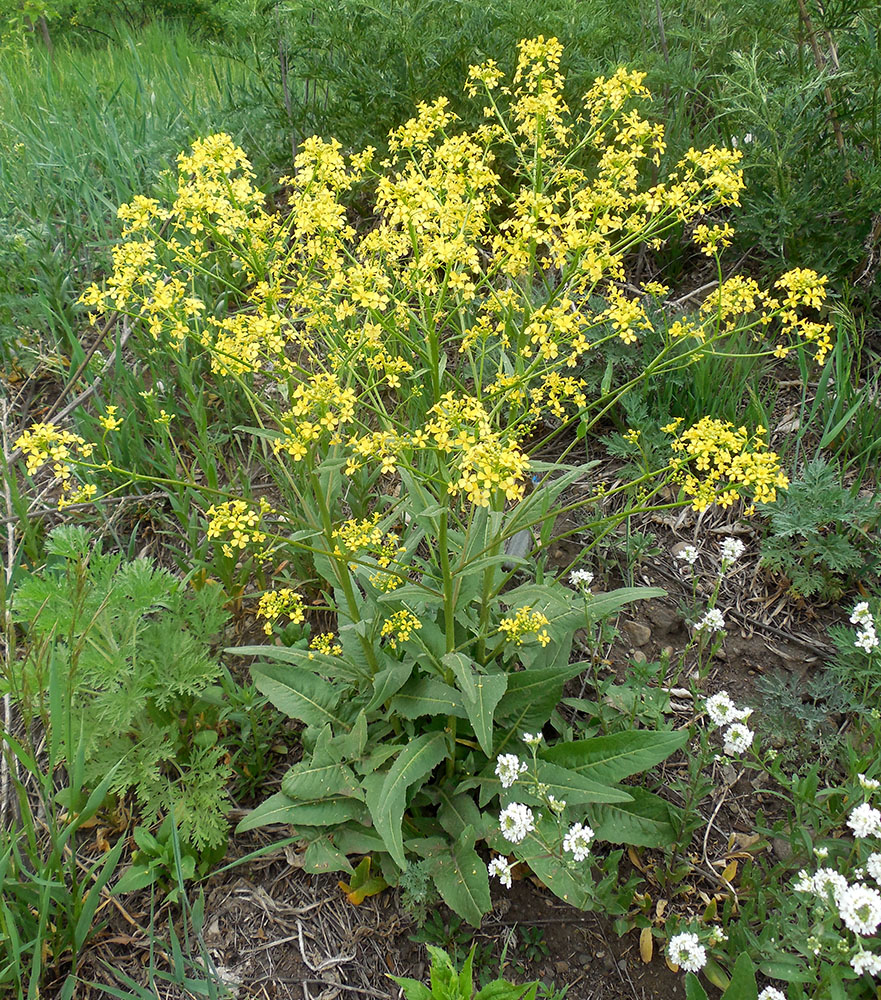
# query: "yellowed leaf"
[[646, 944], [730, 872]]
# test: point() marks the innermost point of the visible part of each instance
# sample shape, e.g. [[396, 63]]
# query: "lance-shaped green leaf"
[[602, 605], [574, 788], [388, 682], [387, 793], [481, 694], [309, 780], [612, 758], [458, 811], [321, 856], [462, 880], [299, 694], [427, 696], [552, 872], [279, 808], [313, 661], [644, 822], [530, 698]]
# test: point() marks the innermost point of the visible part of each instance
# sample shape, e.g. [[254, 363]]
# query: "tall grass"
[[79, 133]]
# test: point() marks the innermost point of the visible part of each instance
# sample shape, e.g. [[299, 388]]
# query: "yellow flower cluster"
[[399, 626], [276, 603], [482, 460], [741, 299], [321, 407], [238, 524], [727, 462], [353, 537], [325, 643], [524, 623], [47, 444], [110, 421]]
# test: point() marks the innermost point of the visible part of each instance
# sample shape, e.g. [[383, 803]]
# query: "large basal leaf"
[[530, 698], [299, 694], [387, 682], [457, 812], [609, 759], [387, 798], [308, 780], [321, 856], [462, 880], [427, 696], [644, 822], [276, 809], [600, 606], [571, 888], [314, 662], [574, 788]]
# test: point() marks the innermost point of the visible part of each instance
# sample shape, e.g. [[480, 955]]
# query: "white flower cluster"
[[866, 961], [771, 993], [577, 841], [509, 767], [722, 711], [686, 951], [581, 579], [858, 905], [865, 821], [516, 821], [867, 636], [731, 549], [869, 784], [501, 869], [532, 739], [712, 621], [688, 554]]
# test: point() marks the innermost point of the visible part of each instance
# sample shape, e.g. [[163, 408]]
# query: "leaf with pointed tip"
[[387, 799], [427, 696], [299, 694], [644, 822], [462, 880], [612, 758], [308, 780]]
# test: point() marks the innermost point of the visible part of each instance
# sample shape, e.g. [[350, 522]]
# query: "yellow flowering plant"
[[404, 378]]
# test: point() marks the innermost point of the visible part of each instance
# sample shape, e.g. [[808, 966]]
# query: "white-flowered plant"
[[737, 739], [516, 821], [867, 636], [869, 784], [532, 739], [865, 962], [722, 710], [712, 621], [771, 993], [865, 821], [577, 841], [731, 550], [581, 579], [859, 907], [686, 951], [509, 767], [688, 554], [501, 869]]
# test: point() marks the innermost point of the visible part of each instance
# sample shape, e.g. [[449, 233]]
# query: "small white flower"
[[532, 739], [869, 784], [804, 882], [865, 821], [688, 554], [686, 951], [509, 767], [557, 805], [516, 821], [732, 549], [581, 578], [712, 621], [826, 880], [738, 738], [866, 961], [771, 993], [861, 614], [716, 936], [500, 868], [821, 853], [860, 908], [722, 710], [577, 841], [867, 640], [873, 866]]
